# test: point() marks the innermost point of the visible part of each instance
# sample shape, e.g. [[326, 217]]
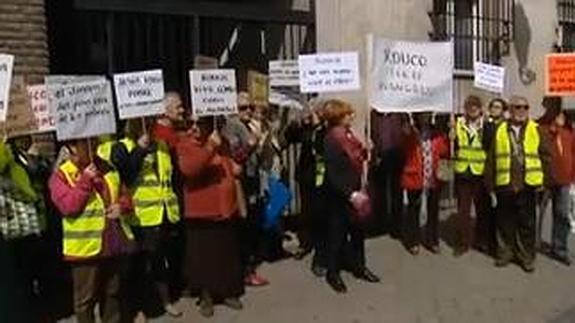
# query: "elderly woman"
[[212, 266], [345, 156]]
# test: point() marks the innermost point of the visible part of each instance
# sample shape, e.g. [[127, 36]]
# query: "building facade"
[[516, 34]]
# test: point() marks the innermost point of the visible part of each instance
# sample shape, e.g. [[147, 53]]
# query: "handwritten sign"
[[410, 76], [38, 100], [84, 109], [258, 87], [139, 94], [213, 92], [489, 77], [560, 74], [18, 117], [284, 73], [330, 72], [6, 66]]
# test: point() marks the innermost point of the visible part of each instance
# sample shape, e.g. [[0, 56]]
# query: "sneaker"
[[233, 303], [255, 280]]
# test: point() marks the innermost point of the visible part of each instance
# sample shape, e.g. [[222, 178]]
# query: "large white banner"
[[329, 72], [410, 76], [213, 92], [139, 94], [6, 66], [84, 109]]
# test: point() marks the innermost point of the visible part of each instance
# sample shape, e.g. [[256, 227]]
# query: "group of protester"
[[178, 203]]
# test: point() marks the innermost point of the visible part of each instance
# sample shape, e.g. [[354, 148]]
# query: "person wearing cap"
[[515, 171], [470, 153], [87, 191]]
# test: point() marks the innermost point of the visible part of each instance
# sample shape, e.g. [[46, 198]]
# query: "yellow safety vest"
[[470, 155], [82, 234], [152, 193], [533, 166]]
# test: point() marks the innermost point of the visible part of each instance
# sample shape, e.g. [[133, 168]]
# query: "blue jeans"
[[561, 225]]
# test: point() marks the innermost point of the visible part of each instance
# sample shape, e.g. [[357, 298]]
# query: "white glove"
[[493, 197]]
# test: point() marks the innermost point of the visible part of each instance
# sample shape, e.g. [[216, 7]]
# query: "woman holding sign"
[[96, 236], [345, 157], [212, 263]]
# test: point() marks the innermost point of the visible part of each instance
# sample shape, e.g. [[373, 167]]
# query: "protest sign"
[[38, 100], [6, 66], [560, 74], [410, 76], [286, 98], [84, 109], [54, 83], [329, 72], [284, 73], [213, 92], [202, 62], [139, 94], [489, 77], [258, 87], [19, 118]]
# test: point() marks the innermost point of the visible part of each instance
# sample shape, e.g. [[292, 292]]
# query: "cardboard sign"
[[489, 77], [213, 92], [410, 76], [560, 74], [284, 73], [84, 109], [38, 100], [202, 62], [6, 67], [19, 117], [139, 94], [329, 72], [258, 87]]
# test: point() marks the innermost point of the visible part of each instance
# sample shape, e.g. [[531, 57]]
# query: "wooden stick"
[[144, 127], [90, 155]]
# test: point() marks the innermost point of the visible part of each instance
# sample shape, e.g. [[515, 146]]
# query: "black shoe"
[[527, 267], [565, 260], [336, 283], [318, 271], [502, 262], [366, 275]]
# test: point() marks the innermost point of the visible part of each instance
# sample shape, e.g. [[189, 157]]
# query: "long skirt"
[[212, 263]]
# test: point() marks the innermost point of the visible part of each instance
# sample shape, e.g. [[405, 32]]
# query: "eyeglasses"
[[521, 107]]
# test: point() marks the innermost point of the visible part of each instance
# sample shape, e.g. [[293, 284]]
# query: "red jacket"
[[561, 144], [209, 181], [412, 174]]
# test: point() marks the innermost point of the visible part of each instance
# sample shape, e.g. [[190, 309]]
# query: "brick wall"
[[23, 34]]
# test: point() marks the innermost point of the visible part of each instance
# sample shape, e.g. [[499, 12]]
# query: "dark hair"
[[501, 101], [471, 101], [552, 102], [550, 114]]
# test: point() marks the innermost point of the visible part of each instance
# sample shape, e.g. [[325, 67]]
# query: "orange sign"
[[560, 74]]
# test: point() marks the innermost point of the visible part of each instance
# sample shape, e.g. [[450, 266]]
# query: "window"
[[566, 11], [482, 30]]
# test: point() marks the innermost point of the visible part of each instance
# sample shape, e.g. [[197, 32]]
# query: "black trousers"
[[346, 248], [412, 232], [313, 229], [386, 178], [516, 229]]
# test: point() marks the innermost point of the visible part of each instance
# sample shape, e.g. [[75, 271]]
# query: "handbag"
[[19, 217], [362, 207]]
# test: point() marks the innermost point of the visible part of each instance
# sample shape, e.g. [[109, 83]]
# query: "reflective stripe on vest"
[[470, 155], [153, 193], [82, 234], [533, 167]]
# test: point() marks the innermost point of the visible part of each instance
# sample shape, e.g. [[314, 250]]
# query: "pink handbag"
[[362, 205]]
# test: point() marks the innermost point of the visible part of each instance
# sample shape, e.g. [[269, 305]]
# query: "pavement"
[[424, 288]]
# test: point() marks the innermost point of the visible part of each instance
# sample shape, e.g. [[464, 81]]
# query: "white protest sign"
[[410, 76], [329, 72], [84, 109], [213, 92], [284, 73], [287, 99], [55, 83], [139, 94], [489, 77], [38, 99], [6, 66]]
